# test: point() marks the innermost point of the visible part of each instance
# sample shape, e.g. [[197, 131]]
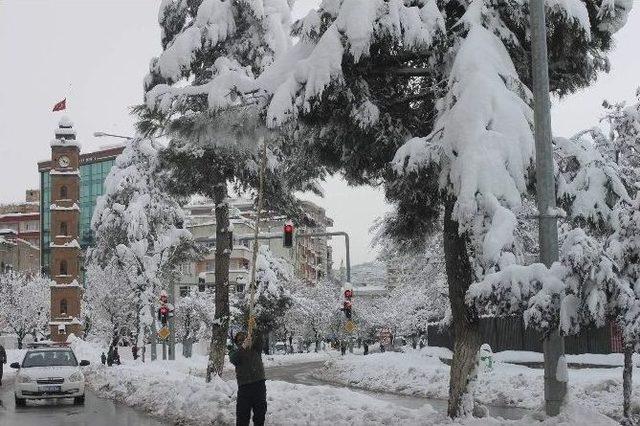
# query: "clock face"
[[63, 161]]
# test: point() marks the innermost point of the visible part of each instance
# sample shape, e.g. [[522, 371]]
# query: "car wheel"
[[20, 402], [78, 400]]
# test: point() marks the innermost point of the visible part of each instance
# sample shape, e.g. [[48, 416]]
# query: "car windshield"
[[49, 358]]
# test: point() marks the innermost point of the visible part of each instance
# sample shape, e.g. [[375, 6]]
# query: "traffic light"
[[346, 307], [348, 294], [163, 315], [288, 235]]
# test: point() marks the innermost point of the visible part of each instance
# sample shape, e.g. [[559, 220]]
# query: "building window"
[[64, 194], [63, 228], [63, 267], [63, 307], [245, 264]]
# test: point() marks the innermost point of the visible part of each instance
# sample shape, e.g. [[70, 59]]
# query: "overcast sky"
[[96, 52]]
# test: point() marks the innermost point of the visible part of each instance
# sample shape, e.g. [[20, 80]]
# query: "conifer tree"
[[139, 228]]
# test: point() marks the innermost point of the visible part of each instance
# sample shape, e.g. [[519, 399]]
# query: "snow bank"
[[185, 399], [421, 373]]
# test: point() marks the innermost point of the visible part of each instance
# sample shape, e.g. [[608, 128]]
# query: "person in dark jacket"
[[246, 356], [103, 358], [3, 361]]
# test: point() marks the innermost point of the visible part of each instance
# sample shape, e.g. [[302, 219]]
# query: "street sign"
[[350, 326], [163, 333]]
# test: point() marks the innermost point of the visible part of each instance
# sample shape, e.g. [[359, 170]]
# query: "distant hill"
[[369, 274]]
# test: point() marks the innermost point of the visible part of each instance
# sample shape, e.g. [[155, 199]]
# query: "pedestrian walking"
[[343, 348], [3, 361], [246, 356], [365, 345], [103, 358], [134, 352]]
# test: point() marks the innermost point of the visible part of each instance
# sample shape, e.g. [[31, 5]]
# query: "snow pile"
[[159, 390], [181, 398]]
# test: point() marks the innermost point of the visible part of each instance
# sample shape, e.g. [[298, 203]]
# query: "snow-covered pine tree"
[[597, 269], [368, 75], [139, 227], [624, 245], [208, 43], [25, 304]]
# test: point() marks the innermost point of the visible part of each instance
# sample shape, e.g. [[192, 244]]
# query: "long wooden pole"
[[252, 287]]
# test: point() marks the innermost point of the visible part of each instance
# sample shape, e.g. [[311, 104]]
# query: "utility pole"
[[554, 390]]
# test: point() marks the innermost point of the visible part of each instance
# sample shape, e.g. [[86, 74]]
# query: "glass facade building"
[[94, 168]]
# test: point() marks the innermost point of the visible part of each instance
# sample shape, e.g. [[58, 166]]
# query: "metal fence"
[[509, 333]]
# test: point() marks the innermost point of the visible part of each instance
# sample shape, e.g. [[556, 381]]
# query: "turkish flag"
[[60, 105]]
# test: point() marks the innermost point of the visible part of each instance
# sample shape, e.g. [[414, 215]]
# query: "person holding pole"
[[246, 356]]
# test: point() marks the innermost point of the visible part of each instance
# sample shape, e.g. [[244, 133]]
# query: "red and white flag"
[[60, 105]]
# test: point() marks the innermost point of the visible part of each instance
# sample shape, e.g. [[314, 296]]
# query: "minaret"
[[64, 268]]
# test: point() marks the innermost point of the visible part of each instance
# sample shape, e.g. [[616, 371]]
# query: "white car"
[[49, 372]]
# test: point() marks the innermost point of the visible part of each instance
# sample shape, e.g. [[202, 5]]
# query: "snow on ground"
[[164, 391], [176, 391], [422, 373]]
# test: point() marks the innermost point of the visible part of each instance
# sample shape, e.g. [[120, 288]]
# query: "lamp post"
[[104, 134]]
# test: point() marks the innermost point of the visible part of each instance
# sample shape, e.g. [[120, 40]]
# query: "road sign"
[[350, 326], [163, 333]]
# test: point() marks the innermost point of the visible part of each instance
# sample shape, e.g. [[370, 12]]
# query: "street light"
[[104, 134]]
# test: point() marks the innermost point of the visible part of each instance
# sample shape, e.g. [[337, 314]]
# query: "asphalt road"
[[95, 412]]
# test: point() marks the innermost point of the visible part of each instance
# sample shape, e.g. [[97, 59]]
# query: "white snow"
[[597, 391]]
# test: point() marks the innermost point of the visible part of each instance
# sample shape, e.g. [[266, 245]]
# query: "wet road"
[[95, 412], [302, 373]]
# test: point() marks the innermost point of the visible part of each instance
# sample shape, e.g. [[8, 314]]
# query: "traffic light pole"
[[554, 390], [313, 234], [334, 234]]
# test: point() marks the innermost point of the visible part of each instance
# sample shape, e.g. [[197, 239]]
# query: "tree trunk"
[[627, 382], [466, 330], [186, 347], [224, 245], [20, 336]]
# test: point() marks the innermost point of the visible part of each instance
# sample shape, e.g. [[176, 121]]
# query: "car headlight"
[[76, 377], [24, 379]]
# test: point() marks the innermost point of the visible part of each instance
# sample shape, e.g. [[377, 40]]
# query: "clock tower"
[[64, 268]]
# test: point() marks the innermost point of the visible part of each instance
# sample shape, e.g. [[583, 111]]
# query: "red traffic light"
[[348, 294], [288, 235]]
